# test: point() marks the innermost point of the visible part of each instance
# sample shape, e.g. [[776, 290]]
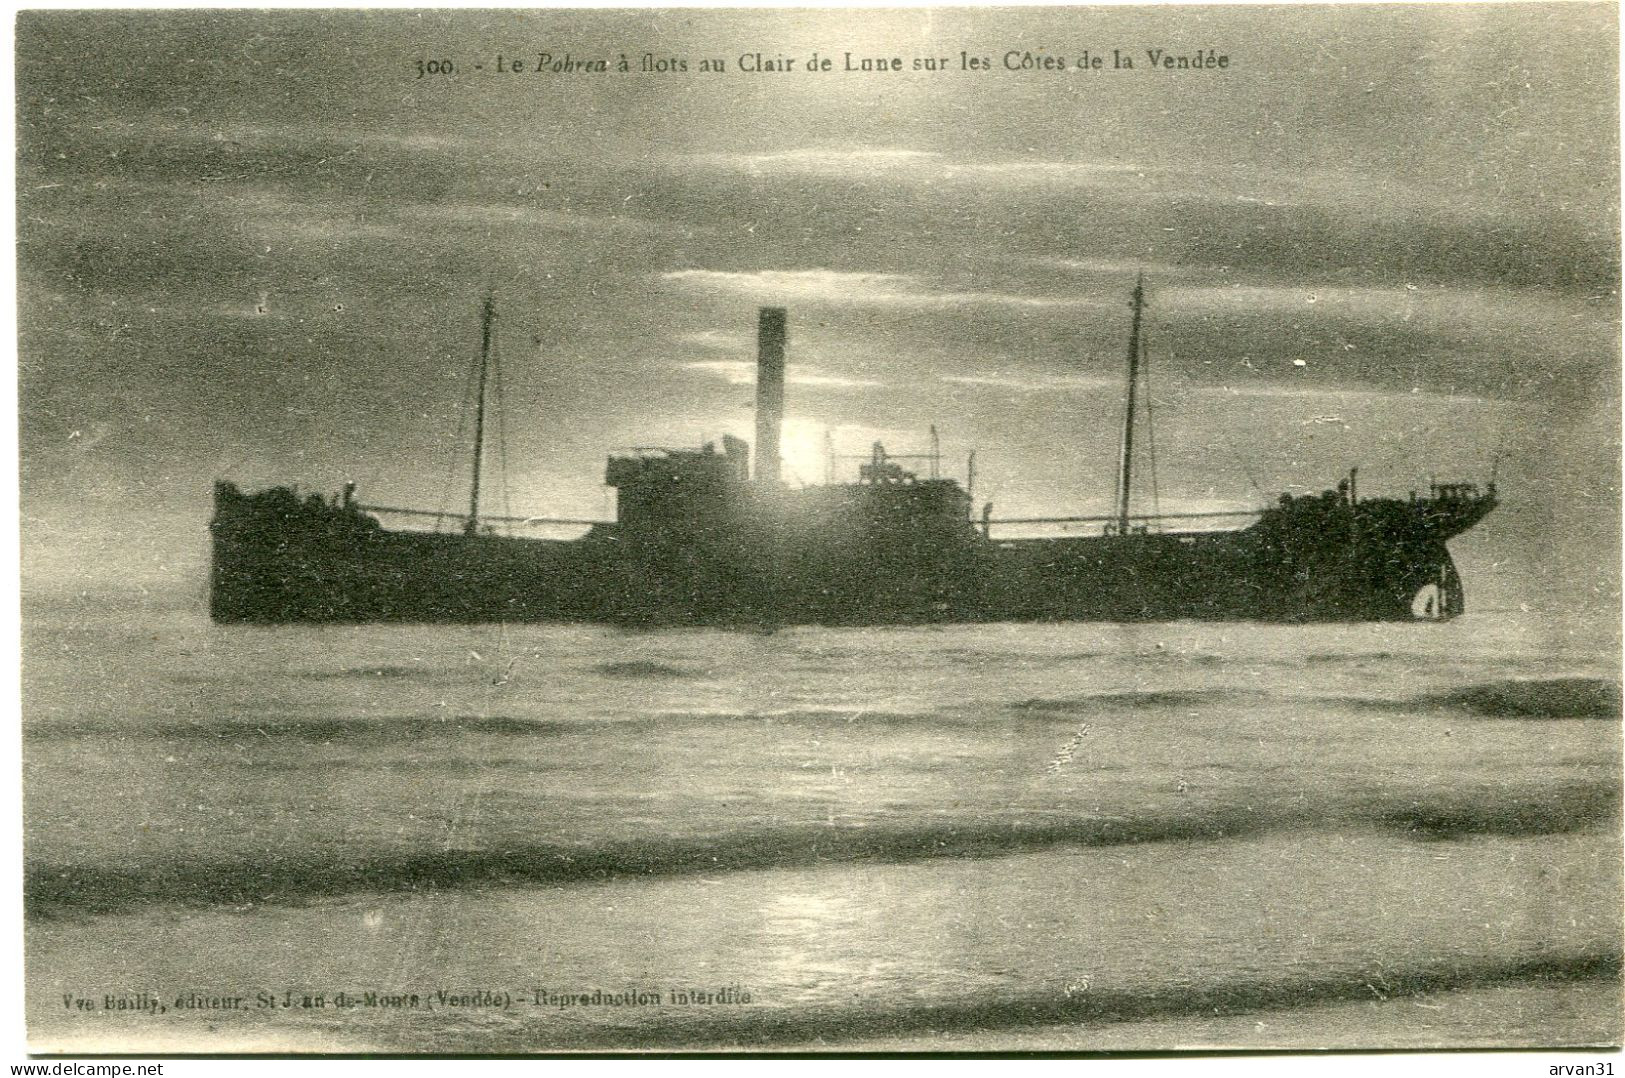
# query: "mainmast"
[[488, 316], [1125, 475]]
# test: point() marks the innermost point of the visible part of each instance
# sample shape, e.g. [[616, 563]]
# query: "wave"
[[1555, 811], [982, 656], [240, 729], [1130, 701], [52, 889], [760, 1027], [1549, 698], [391, 730], [1321, 658], [371, 672], [640, 668], [1512, 698]]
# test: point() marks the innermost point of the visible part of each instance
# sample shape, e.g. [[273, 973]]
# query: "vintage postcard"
[[1076, 529]]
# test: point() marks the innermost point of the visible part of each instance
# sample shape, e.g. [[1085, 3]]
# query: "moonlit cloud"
[[812, 284], [1031, 383], [1505, 334], [179, 125], [916, 168], [1116, 268], [1334, 394], [742, 373], [858, 289], [1037, 170], [840, 162], [1406, 303], [519, 215], [1345, 189], [714, 340]]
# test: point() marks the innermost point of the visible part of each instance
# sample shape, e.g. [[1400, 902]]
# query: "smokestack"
[[770, 336]]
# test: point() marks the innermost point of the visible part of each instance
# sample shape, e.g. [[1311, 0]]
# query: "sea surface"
[[1082, 837]]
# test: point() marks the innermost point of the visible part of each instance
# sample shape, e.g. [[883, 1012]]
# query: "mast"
[[1125, 475], [487, 317]]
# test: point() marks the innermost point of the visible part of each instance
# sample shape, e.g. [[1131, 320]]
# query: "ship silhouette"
[[703, 538]]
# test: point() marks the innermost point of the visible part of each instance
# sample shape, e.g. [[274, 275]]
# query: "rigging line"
[[502, 429], [1117, 481], [365, 480], [456, 441], [1229, 447], [1250, 477], [1150, 426], [377, 463], [464, 408]]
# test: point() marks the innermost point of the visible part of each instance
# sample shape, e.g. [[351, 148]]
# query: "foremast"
[[487, 317], [1125, 470]]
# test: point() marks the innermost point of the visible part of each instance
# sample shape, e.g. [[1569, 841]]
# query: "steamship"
[[701, 537]]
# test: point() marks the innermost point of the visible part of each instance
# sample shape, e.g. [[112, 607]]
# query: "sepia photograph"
[[847, 531]]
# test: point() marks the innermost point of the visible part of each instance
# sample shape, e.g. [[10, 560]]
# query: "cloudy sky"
[[254, 246]]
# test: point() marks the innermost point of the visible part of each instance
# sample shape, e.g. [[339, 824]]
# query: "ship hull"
[[278, 560]]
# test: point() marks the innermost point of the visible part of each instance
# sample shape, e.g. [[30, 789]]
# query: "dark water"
[[1069, 836]]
